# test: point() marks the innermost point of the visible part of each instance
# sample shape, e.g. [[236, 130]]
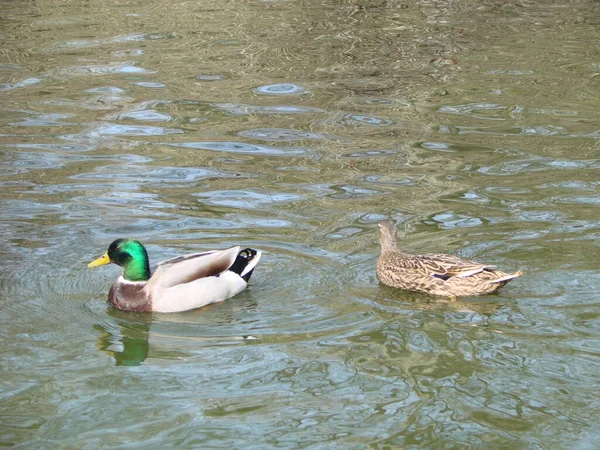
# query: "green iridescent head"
[[130, 255]]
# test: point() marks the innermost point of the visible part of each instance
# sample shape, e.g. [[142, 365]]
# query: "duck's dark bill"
[[104, 259]]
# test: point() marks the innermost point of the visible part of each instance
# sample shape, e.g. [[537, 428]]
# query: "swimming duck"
[[434, 274], [177, 284]]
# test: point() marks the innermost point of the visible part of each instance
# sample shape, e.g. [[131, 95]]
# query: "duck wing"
[[448, 266], [184, 269]]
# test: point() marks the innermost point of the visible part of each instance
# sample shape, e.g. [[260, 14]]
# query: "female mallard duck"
[[434, 274], [178, 284]]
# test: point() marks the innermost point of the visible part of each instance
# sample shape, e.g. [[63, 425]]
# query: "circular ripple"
[[280, 89]]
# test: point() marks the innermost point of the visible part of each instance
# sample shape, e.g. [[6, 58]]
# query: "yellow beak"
[[104, 259]]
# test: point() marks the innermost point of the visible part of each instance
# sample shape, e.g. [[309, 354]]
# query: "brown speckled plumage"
[[434, 274]]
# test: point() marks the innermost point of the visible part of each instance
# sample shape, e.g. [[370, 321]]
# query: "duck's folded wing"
[[188, 268], [447, 266]]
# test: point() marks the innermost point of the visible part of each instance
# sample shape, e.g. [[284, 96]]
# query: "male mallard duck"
[[177, 284], [433, 274]]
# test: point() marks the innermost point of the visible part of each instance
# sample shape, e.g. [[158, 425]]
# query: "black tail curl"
[[244, 258]]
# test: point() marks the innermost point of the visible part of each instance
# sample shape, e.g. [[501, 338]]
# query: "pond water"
[[294, 127]]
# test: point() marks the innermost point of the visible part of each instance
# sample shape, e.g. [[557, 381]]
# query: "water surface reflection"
[[296, 126]]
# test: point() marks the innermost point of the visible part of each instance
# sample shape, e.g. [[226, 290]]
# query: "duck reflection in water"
[[128, 344], [128, 338], [398, 301]]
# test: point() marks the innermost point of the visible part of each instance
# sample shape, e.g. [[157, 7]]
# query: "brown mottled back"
[[436, 274]]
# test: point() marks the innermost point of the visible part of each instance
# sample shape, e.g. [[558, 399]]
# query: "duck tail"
[[507, 278], [245, 262]]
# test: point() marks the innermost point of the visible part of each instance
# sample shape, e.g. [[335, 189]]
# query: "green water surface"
[[294, 127]]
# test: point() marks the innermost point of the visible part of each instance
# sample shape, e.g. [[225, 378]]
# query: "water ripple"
[[131, 130], [163, 174], [363, 119], [58, 147], [241, 109], [107, 69], [371, 153], [494, 158], [5, 87], [279, 134], [91, 43], [541, 130], [45, 120], [537, 164], [106, 90], [215, 77], [351, 191], [245, 198], [449, 220], [490, 111], [151, 84], [243, 148], [387, 180], [281, 89], [146, 115]]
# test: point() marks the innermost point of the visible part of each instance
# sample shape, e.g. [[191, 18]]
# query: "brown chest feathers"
[[130, 297]]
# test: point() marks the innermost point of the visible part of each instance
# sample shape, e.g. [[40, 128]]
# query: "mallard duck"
[[434, 274], [177, 284]]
